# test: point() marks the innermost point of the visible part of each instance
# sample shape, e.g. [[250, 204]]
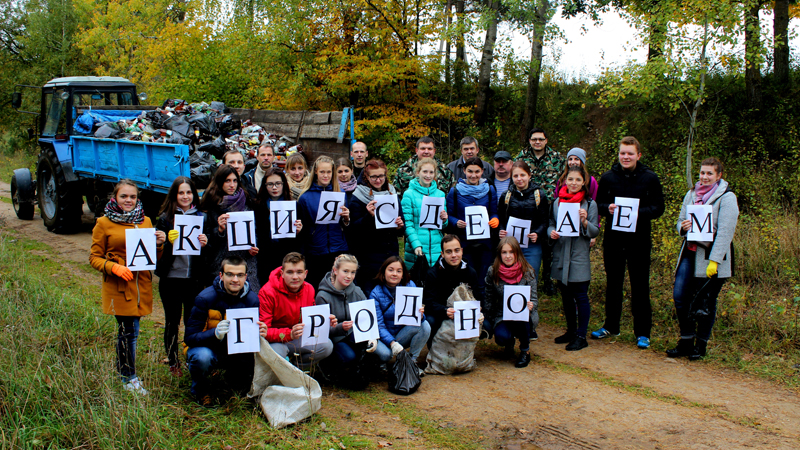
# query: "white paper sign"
[[189, 230], [241, 230], [282, 215], [626, 215], [515, 303], [140, 249], [365, 321], [520, 229], [568, 222], [330, 207], [243, 336], [316, 325], [702, 224], [407, 302], [430, 209], [386, 211], [466, 319], [477, 219]]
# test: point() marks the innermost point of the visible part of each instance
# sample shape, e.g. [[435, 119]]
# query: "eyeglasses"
[[377, 177], [235, 275], [275, 184], [538, 139]]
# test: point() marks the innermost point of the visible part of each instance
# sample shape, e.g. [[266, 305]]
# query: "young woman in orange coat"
[[126, 295]]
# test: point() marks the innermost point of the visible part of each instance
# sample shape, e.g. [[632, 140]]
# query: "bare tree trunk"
[[780, 52], [461, 52], [485, 71], [693, 115], [532, 95], [752, 43], [449, 9]]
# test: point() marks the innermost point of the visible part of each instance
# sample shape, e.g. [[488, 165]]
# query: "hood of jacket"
[[423, 190], [326, 286], [317, 188], [219, 287], [721, 190], [639, 169], [277, 284]]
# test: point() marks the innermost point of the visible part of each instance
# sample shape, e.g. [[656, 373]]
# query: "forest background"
[[403, 65]]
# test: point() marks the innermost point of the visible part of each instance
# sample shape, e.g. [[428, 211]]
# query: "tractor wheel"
[[22, 193], [59, 207]]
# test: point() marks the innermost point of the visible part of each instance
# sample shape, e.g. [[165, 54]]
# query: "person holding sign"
[[338, 290], [526, 201], [344, 174], [571, 264], [703, 267], [629, 179], [274, 188], [297, 174], [449, 272], [225, 195], [280, 301], [473, 190], [370, 244], [396, 338], [126, 295], [420, 240], [510, 268], [180, 276], [322, 243], [209, 325], [577, 157]]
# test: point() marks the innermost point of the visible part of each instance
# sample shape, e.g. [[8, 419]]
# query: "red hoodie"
[[279, 309]]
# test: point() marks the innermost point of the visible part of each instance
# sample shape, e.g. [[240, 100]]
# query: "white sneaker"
[[135, 386]]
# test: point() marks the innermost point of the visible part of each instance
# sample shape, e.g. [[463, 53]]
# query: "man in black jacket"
[[252, 179], [631, 179], [207, 329]]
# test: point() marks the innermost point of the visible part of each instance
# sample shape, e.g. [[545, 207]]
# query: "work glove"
[[122, 272], [418, 251], [396, 348], [222, 329], [480, 319], [172, 235], [711, 270], [494, 223], [372, 344]]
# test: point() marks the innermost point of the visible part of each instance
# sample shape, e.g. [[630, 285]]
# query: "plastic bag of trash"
[[205, 124], [216, 147], [179, 124], [448, 355], [226, 124], [404, 377], [108, 130], [285, 393], [219, 106]]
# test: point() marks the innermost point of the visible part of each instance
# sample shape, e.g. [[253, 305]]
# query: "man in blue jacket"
[[207, 329]]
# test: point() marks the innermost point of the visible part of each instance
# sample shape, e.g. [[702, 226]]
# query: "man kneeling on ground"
[[280, 302], [207, 329]]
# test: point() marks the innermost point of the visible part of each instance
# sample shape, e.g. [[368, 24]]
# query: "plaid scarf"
[[115, 213]]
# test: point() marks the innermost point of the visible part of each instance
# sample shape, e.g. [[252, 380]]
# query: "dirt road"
[[608, 396]]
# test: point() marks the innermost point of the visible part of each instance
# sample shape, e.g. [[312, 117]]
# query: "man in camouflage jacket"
[[546, 164], [405, 173]]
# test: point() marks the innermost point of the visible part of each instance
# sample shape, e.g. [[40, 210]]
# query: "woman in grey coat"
[[571, 266], [703, 267]]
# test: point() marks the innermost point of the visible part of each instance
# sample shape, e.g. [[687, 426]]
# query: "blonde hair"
[[341, 259], [325, 160], [425, 161]]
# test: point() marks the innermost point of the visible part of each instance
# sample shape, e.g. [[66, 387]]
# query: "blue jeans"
[[345, 350], [413, 338], [533, 254], [685, 288], [479, 258], [506, 331], [577, 310], [203, 360], [127, 334]]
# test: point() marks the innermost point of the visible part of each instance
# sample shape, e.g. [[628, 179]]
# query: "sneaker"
[[643, 342], [534, 336], [176, 371], [577, 344], [524, 359], [135, 386], [602, 333]]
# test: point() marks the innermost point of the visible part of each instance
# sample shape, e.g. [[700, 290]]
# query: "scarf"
[[234, 203], [702, 193], [511, 275], [258, 175], [298, 187], [115, 213], [366, 194], [565, 197], [349, 185], [475, 191]]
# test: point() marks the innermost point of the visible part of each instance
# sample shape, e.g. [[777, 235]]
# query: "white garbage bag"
[[286, 394], [447, 354]]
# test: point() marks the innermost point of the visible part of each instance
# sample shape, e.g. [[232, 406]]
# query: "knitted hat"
[[579, 152]]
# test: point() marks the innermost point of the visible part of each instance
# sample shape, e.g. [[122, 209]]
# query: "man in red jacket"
[[280, 301]]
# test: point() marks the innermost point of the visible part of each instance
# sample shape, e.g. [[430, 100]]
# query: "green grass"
[[16, 160]]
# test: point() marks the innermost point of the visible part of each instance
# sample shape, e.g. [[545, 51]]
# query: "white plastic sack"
[[287, 395], [448, 355]]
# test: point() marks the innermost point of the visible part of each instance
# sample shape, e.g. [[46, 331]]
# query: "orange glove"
[[122, 272], [494, 223]]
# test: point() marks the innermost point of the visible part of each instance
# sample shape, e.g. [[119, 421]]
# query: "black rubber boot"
[[524, 359], [577, 344], [565, 338], [699, 350], [685, 347]]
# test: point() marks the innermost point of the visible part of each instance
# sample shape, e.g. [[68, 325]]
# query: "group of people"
[[353, 260]]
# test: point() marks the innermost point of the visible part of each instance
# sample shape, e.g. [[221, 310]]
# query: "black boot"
[[565, 338], [524, 359], [577, 344], [685, 347], [699, 350]]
